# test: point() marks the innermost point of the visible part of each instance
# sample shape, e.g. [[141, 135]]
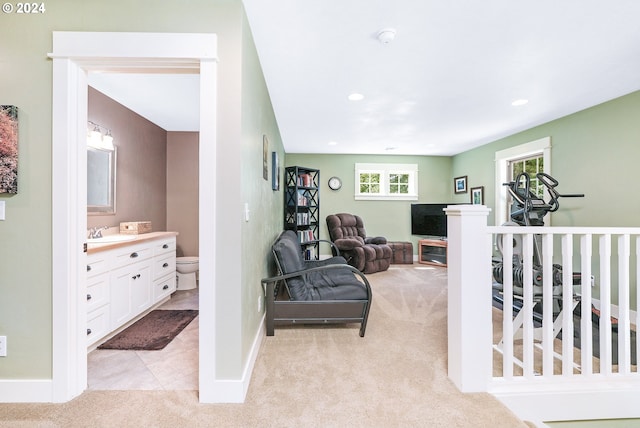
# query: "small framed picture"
[[275, 171], [460, 184], [477, 195], [265, 164]]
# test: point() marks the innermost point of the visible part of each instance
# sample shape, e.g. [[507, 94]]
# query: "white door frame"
[[74, 55]]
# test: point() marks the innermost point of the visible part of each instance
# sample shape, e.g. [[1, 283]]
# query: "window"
[[531, 166], [386, 181], [531, 157]]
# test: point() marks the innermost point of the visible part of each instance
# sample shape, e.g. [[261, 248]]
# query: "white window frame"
[[502, 159], [385, 170]]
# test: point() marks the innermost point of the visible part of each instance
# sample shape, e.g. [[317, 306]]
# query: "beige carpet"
[[318, 376]]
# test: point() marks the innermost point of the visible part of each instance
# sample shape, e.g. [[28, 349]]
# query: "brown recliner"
[[367, 254]]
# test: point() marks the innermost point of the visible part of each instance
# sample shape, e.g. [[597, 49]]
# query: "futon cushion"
[[330, 284], [289, 253]]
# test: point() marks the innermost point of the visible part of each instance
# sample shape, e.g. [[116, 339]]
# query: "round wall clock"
[[335, 183]]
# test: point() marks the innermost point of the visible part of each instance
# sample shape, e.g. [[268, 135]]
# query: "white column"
[[469, 308]]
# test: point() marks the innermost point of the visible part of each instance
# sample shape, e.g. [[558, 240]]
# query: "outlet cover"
[[3, 346]]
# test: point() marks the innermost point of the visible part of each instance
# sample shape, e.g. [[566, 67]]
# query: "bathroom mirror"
[[101, 181]]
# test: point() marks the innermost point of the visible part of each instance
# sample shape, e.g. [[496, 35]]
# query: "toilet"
[[186, 268]]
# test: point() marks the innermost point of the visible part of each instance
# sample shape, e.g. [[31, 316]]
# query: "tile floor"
[[173, 368]]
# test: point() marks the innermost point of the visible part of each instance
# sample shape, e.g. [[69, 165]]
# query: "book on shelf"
[[310, 253], [303, 219], [305, 180], [303, 201], [305, 236]]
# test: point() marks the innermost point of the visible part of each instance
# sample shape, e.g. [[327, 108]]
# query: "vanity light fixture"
[[96, 140]]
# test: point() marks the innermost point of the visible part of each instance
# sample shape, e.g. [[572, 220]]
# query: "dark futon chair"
[[315, 292]]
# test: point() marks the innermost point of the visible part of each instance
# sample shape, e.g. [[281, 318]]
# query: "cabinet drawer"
[[164, 246], [163, 266], [97, 324], [96, 264], [163, 288], [97, 291], [133, 255]]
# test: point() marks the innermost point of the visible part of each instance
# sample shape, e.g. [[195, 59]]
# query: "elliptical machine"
[[529, 209]]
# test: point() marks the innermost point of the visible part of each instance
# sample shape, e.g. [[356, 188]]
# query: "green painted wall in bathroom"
[[26, 254]]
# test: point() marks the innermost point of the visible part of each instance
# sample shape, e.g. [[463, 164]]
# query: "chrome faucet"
[[96, 232]]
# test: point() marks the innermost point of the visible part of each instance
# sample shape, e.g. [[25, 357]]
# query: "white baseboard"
[[235, 391], [26, 391]]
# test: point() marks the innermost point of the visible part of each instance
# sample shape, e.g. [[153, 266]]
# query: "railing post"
[[469, 301]]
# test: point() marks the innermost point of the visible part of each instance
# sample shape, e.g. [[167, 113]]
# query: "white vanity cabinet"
[[98, 316], [164, 269], [125, 282], [130, 284]]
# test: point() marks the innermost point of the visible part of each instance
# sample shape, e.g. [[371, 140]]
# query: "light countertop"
[[144, 237]]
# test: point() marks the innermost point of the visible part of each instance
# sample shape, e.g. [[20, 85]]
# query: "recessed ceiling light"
[[520, 102], [386, 35], [333, 143], [355, 97]]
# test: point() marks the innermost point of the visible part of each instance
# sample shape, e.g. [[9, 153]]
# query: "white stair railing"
[[534, 362]]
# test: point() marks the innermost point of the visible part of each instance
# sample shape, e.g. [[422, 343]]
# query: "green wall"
[[244, 112], [391, 219], [594, 151]]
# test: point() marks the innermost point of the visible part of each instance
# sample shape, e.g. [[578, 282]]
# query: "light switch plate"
[[2, 210], [3, 346]]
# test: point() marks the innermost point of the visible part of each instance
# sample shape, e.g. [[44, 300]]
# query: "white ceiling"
[[443, 86], [171, 101]]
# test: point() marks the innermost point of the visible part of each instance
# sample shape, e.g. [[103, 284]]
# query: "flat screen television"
[[429, 220]]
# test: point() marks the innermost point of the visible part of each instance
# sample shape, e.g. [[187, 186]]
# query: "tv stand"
[[432, 252]]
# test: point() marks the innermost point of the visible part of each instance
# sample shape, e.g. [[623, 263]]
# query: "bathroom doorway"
[[157, 179], [74, 56]]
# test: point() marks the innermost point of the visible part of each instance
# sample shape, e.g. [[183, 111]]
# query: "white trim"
[[543, 145], [26, 391], [235, 391], [386, 169], [74, 54]]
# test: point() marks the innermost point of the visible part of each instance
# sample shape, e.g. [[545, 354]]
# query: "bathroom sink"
[[111, 239]]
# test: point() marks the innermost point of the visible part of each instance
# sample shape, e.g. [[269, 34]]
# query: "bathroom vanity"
[[126, 279]]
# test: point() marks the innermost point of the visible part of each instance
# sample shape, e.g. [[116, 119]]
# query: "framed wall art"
[[8, 149], [477, 195], [275, 171], [265, 160], [460, 184]]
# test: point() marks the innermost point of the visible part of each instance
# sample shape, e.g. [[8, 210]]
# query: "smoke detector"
[[386, 35]]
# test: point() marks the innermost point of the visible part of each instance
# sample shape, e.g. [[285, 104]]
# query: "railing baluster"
[[586, 323], [547, 305], [507, 307], [624, 335], [527, 308], [637, 316], [605, 304], [567, 305]]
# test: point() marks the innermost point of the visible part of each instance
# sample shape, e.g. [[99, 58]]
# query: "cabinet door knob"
[[166, 265], [88, 331], [165, 287], [133, 255], [165, 246], [88, 296], [88, 268]]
